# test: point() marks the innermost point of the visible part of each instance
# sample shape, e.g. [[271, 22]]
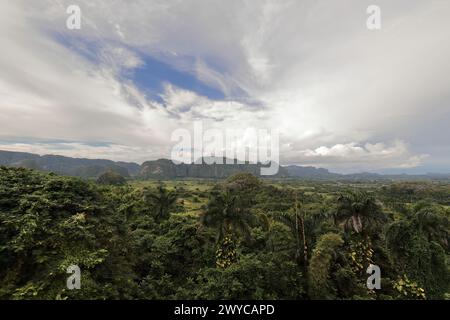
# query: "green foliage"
[[243, 182], [408, 289], [361, 254], [359, 211], [48, 223], [111, 178], [242, 238], [419, 245], [255, 276], [226, 252], [324, 254], [163, 200]]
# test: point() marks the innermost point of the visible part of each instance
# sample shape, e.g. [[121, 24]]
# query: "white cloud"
[[80, 150], [310, 69], [354, 157], [120, 58]]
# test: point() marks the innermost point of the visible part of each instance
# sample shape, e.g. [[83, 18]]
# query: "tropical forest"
[[240, 237]]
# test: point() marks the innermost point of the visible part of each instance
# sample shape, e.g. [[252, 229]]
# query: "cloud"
[[353, 157], [120, 58], [82, 150], [308, 68]]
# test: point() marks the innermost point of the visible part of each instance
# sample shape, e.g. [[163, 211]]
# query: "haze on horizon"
[[343, 97]]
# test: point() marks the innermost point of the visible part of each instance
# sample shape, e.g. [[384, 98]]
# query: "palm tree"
[[434, 225], [296, 224], [425, 221], [163, 200], [230, 218], [398, 236], [419, 244], [359, 211], [225, 213], [303, 227]]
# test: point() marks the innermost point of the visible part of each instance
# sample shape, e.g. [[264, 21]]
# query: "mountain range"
[[166, 169]]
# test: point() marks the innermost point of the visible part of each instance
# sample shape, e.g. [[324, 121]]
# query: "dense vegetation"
[[240, 238]]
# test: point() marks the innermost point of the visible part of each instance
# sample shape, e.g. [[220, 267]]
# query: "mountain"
[[166, 169], [162, 168], [310, 173], [157, 169], [85, 168]]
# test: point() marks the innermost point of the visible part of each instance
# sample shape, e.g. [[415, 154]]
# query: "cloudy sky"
[[342, 96]]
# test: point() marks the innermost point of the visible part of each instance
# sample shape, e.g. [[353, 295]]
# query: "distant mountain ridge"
[[163, 168], [85, 168], [310, 172], [166, 169]]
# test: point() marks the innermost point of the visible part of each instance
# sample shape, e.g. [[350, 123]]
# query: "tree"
[[229, 218], [359, 211], [163, 200], [111, 178], [432, 222], [225, 213], [324, 253], [131, 243], [296, 223], [48, 223], [243, 182], [418, 244]]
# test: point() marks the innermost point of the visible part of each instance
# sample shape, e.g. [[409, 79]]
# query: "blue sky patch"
[[148, 78], [151, 77]]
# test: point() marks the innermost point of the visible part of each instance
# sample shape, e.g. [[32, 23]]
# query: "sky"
[[342, 97]]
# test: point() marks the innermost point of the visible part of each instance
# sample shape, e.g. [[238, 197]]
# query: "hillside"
[[164, 240], [85, 168], [165, 169]]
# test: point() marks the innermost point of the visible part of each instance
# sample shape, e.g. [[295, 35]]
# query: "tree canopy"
[[242, 238]]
